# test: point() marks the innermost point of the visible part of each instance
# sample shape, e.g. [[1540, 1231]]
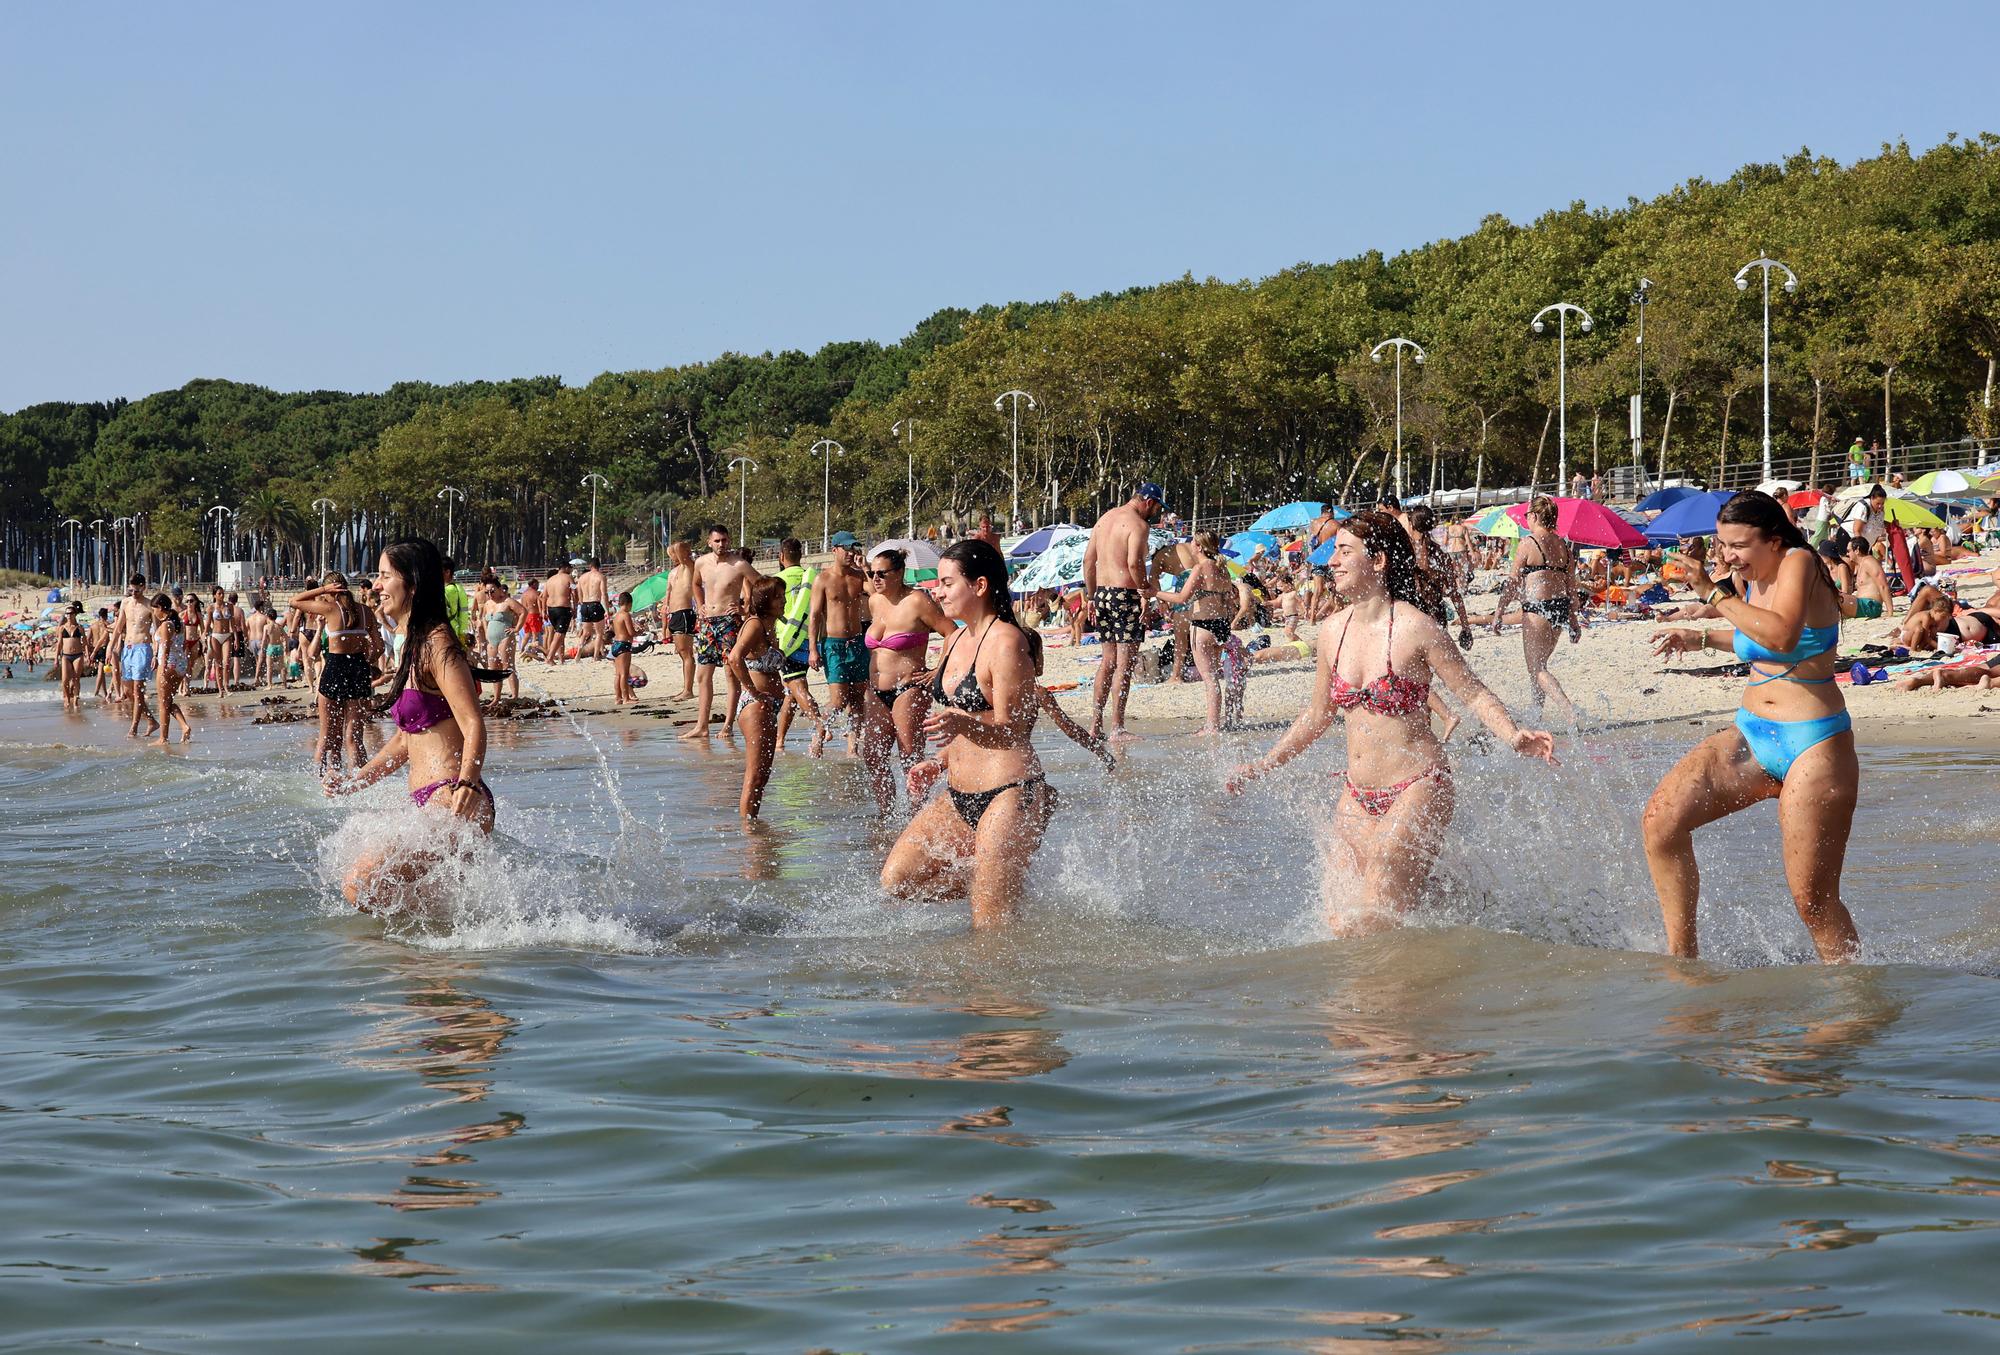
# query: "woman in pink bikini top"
[[440, 732], [1389, 820], [901, 621]]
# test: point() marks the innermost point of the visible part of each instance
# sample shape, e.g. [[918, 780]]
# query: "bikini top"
[[1526, 570], [770, 661], [1813, 642], [1386, 695], [968, 695], [416, 710], [899, 640]]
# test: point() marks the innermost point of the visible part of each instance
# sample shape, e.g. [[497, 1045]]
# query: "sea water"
[[648, 1082]]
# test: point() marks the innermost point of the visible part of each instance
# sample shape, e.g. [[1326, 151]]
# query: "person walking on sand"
[[561, 594], [1544, 577], [592, 588], [500, 617], [1116, 583], [135, 655], [836, 620], [1396, 799], [1793, 740], [624, 630], [678, 606], [171, 645], [719, 580]]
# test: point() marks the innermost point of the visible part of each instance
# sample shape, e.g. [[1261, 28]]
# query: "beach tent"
[[1662, 499], [1243, 544], [1689, 517], [1586, 522], [648, 592], [1035, 542], [1288, 515]]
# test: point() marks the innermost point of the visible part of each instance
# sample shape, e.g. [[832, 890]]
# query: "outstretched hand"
[[1536, 743], [1240, 778], [920, 778], [1671, 642]]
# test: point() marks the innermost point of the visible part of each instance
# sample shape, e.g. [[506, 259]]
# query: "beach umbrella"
[[1631, 518], [1039, 540], [1805, 498], [1288, 515], [1494, 522], [1662, 499], [649, 591], [1910, 513], [1778, 489], [1586, 522], [1062, 564], [1940, 482], [1243, 543], [1689, 517], [920, 558]]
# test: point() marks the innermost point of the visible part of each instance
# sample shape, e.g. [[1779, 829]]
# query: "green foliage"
[[1247, 391]]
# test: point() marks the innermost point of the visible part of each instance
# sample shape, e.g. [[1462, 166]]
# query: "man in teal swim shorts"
[[837, 621]]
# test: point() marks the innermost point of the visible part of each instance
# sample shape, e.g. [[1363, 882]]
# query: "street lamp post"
[[118, 538], [97, 556], [742, 491], [224, 510], [827, 449], [596, 482], [1639, 396], [1765, 265], [1417, 356], [75, 525], [322, 505], [1017, 396], [908, 429], [452, 496], [1562, 310]]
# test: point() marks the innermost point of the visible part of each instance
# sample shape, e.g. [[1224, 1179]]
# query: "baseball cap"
[[842, 539], [1149, 490]]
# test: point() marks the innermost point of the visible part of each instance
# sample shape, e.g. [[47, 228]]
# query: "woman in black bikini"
[[70, 638], [347, 673], [901, 621], [981, 836], [1211, 602], [1544, 578]]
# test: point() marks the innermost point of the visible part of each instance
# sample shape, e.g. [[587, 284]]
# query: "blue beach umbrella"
[[1288, 515], [1690, 517], [1661, 499], [1240, 545]]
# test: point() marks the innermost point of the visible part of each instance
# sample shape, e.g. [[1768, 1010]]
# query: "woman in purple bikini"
[[434, 701]]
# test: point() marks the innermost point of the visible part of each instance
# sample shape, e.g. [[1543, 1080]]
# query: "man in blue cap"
[[1117, 577]]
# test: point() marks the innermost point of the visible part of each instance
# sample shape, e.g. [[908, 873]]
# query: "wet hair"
[[1208, 543], [1542, 509], [978, 559], [791, 548], [767, 597], [624, 599], [712, 529], [898, 560], [1407, 581], [1752, 508], [421, 568], [1422, 519]]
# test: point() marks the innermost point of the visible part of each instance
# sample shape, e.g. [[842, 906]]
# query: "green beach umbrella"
[[649, 591]]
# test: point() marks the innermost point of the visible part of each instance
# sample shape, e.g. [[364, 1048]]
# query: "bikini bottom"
[[422, 795], [973, 804], [1777, 744], [1376, 801]]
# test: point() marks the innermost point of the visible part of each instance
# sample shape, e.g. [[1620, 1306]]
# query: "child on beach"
[[624, 630]]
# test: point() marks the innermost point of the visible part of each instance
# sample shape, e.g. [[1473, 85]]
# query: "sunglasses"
[[881, 573]]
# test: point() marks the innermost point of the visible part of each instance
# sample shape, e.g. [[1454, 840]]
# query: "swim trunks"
[[590, 613], [714, 637], [681, 622], [793, 667], [620, 647], [846, 658], [136, 664], [1120, 618], [559, 618]]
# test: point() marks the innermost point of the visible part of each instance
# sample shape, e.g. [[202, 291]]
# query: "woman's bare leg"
[[1717, 778], [1538, 642], [760, 746], [1207, 662], [929, 859], [1815, 813], [1008, 836]]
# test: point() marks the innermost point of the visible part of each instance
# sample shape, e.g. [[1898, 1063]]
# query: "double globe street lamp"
[[1563, 310], [1765, 265], [1416, 356]]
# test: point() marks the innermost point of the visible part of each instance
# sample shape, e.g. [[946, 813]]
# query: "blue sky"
[[344, 196]]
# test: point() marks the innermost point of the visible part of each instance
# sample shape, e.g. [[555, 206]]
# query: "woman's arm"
[[752, 634], [1448, 665], [387, 761], [1010, 677], [1246, 606], [1306, 730], [1777, 624], [453, 673]]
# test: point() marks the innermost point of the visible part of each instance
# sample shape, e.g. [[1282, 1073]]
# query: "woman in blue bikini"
[[1793, 738]]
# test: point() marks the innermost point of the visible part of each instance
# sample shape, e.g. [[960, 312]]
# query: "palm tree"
[[276, 519]]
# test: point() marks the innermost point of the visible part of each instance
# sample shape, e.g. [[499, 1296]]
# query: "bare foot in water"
[[698, 732], [1124, 736]]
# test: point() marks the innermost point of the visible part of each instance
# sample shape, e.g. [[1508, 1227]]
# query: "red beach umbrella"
[[1805, 498], [1586, 522]]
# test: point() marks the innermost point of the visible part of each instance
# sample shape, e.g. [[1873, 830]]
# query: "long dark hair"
[[1407, 581], [174, 626], [422, 571], [1754, 508], [978, 559]]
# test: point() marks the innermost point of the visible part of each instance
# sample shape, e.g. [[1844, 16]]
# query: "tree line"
[[1230, 393]]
